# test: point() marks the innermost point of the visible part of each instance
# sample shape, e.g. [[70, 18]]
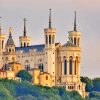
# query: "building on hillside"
[[41, 78], [60, 61]]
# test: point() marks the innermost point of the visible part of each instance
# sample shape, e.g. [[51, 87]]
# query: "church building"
[[59, 62]]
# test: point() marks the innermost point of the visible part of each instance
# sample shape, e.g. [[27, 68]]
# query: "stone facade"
[[59, 62]]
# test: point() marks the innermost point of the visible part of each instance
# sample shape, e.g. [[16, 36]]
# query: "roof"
[[26, 49], [69, 44], [10, 41]]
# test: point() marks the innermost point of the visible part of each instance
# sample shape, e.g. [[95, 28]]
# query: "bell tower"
[[50, 34], [24, 40], [75, 35], [2, 38], [10, 53]]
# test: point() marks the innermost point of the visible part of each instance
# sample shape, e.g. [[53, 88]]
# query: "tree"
[[24, 75], [96, 84], [89, 83]]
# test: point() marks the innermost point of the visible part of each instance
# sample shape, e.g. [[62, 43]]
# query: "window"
[[75, 68], [75, 41], [24, 44], [49, 39], [70, 65], [2, 43], [65, 67], [46, 77], [9, 50]]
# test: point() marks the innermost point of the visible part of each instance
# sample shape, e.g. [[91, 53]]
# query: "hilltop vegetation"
[[14, 90]]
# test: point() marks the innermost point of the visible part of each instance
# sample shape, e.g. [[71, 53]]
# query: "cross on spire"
[[75, 26], [49, 18], [25, 26]]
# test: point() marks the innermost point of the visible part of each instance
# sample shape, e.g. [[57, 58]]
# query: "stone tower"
[[50, 34], [2, 47], [2, 38], [75, 35], [24, 40], [10, 53], [69, 63]]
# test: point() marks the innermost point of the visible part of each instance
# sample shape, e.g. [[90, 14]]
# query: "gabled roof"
[[26, 49]]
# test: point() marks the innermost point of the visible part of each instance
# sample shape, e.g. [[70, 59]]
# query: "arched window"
[[49, 39], [65, 67], [70, 65], [2, 43], [9, 50], [24, 44], [53, 39], [75, 68], [46, 39], [75, 41]]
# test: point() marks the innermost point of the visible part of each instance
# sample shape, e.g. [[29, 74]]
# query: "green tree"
[[24, 75], [96, 84], [89, 83]]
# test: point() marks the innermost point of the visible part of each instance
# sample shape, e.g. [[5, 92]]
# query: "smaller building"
[[41, 78], [15, 66], [45, 79], [7, 74], [2, 74]]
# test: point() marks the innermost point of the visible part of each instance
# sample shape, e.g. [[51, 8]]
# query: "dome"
[[10, 41]]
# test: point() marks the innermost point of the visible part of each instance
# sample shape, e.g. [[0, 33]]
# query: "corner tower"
[[50, 34], [75, 35], [10, 53], [24, 40], [2, 38]]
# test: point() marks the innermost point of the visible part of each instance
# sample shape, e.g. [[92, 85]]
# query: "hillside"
[[13, 90]]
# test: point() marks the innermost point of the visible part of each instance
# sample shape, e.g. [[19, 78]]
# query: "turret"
[[50, 34], [75, 35], [2, 38], [24, 40]]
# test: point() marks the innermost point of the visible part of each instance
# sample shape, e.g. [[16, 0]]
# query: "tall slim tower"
[[24, 40], [50, 34], [2, 38], [75, 35]]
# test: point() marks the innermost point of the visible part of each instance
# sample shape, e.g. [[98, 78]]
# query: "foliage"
[[24, 75], [89, 83], [14, 90], [96, 84]]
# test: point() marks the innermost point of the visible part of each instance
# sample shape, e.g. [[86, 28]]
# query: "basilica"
[[51, 63]]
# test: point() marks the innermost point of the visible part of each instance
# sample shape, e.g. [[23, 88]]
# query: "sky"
[[36, 11]]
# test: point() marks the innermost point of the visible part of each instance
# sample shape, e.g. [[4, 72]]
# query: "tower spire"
[[49, 18], [25, 26], [0, 25], [10, 31], [75, 26]]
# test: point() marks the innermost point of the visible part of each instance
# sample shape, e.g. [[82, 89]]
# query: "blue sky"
[[36, 12]]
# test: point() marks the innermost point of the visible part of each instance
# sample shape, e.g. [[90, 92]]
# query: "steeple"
[[75, 26], [25, 26], [10, 32], [0, 25], [49, 18]]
